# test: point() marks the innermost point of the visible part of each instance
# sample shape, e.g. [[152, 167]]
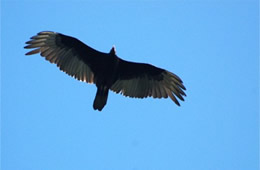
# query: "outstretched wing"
[[144, 80], [69, 54]]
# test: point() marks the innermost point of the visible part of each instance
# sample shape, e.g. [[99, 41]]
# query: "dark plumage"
[[106, 70]]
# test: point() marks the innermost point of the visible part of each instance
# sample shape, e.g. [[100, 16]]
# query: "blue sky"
[[47, 119]]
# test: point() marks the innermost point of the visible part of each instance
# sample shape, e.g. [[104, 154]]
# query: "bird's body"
[[106, 70]]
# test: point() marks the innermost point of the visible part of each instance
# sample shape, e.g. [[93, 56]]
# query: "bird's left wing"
[[144, 80], [69, 54]]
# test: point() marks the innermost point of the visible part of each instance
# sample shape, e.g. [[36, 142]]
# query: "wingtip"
[[183, 87], [35, 51], [177, 103], [26, 47]]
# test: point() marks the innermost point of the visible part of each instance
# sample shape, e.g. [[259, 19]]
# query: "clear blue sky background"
[[47, 119]]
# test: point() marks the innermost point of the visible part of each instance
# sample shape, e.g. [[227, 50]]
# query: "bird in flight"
[[106, 70]]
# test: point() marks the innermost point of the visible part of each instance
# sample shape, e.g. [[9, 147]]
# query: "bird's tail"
[[101, 98]]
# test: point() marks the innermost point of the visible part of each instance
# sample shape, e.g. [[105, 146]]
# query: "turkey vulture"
[[106, 70]]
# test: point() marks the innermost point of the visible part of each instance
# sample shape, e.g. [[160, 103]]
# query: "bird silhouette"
[[106, 70]]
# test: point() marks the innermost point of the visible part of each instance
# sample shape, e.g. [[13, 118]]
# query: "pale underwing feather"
[[60, 54]]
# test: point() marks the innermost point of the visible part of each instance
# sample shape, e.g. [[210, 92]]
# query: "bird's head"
[[113, 50]]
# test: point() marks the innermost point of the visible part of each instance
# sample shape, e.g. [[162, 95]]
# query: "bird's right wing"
[[141, 80], [69, 54]]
